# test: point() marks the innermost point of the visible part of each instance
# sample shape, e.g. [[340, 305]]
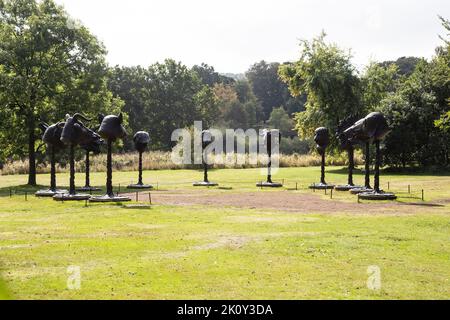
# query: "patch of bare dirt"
[[278, 200]]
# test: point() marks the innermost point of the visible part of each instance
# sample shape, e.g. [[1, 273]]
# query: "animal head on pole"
[[373, 127], [341, 135], [52, 134], [111, 127], [322, 139], [207, 138], [75, 132], [94, 144], [141, 140]]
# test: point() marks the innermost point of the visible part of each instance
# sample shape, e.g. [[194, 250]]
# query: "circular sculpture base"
[[321, 186], [140, 186], [107, 198], [360, 190], [205, 184], [346, 187], [48, 193], [377, 196], [269, 185], [71, 197], [88, 189]]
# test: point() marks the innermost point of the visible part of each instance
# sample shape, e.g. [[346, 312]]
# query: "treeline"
[[413, 94], [50, 65], [166, 96]]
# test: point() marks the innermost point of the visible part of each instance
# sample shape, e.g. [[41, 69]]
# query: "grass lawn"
[[214, 252]]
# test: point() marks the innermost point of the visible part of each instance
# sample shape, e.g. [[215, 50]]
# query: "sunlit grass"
[[209, 252]]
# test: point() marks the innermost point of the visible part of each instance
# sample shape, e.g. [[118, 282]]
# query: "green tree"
[[270, 90], [209, 76], [162, 98], [377, 82], [279, 119], [325, 74], [49, 65]]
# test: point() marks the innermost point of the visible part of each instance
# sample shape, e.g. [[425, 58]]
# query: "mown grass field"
[[213, 252]]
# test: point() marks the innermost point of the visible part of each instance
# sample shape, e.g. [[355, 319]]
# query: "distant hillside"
[[235, 76]]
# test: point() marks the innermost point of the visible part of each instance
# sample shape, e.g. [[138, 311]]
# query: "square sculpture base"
[[269, 185], [346, 187], [377, 196], [360, 190], [71, 197], [140, 186], [107, 198], [205, 184], [321, 186], [49, 193], [88, 189]]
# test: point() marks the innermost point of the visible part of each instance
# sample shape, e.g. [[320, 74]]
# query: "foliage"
[[209, 76], [324, 73], [279, 119], [270, 90], [162, 98], [49, 65]]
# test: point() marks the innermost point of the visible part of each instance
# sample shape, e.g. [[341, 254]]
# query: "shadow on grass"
[[420, 204]]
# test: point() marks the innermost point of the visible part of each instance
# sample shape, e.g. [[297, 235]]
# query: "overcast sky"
[[233, 34]]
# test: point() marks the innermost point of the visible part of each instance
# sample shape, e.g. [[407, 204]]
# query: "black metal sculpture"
[[141, 140], [322, 139], [268, 135], [372, 128], [93, 147], [52, 138], [75, 133], [207, 139], [347, 145], [111, 129], [358, 136]]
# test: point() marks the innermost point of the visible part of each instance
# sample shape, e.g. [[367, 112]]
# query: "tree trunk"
[[31, 152]]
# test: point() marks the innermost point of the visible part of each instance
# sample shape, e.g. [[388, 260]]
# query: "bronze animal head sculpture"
[[52, 134], [111, 127], [342, 136], [207, 138], [322, 139], [75, 132], [141, 140], [94, 144], [373, 127], [268, 136]]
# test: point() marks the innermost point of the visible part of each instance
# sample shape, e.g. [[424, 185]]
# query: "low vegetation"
[[159, 160]]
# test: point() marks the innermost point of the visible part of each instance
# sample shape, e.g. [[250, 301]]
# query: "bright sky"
[[231, 35]]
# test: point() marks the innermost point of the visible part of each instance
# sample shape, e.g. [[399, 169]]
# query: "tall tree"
[[48, 65], [325, 74], [162, 98], [209, 76], [270, 90]]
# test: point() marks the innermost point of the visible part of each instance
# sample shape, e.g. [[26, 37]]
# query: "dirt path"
[[279, 200]]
